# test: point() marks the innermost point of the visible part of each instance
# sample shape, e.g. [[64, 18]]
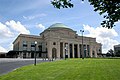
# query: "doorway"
[[54, 53]]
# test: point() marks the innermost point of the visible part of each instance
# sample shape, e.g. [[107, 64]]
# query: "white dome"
[[58, 25]]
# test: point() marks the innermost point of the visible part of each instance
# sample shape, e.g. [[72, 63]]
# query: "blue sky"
[[33, 16]]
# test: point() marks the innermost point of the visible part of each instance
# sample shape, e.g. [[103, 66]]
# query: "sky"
[[34, 16]]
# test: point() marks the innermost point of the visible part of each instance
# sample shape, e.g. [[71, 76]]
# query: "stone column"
[[19, 55], [78, 50], [49, 50], [63, 50], [58, 50], [91, 51], [68, 50], [22, 54], [86, 50], [95, 52], [29, 55], [73, 50]]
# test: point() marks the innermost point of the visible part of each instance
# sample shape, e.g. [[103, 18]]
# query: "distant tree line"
[[111, 53]]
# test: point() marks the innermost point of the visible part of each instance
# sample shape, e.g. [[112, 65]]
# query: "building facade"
[[57, 41], [117, 48]]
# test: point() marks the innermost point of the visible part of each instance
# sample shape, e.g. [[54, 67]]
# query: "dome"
[[58, 25]]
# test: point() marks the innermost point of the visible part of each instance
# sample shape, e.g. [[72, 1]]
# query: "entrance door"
[[61, 50], [54, 53]]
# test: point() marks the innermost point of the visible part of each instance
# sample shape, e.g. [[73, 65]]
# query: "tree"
[[110, 53], [110, 9]]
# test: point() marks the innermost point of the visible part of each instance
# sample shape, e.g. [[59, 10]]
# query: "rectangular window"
[[32, 46], [25, 45], [24, 48]]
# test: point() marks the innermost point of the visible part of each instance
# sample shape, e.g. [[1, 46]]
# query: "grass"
[[70, 69]]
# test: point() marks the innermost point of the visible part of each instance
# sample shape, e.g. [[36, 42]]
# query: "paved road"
[[7, 65]]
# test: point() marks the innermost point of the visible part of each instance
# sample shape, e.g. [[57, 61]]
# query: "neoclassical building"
[[57, 41]]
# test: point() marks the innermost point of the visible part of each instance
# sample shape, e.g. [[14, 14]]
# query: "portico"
[[70, 50]]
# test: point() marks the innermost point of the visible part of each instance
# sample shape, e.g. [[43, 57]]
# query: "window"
[[32, 46], [25, 45], [24, 48], [99, 50], [54, 43], [76, 36]]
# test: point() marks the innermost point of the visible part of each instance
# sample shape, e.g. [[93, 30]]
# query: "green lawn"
[[70, 69]]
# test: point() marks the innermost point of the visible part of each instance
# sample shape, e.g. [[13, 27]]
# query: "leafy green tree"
[[109, 8], [110, 53]]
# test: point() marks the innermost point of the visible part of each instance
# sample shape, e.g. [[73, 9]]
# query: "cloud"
[[8, 32], [102, 35], [5, 31], [41, 27], [117, 22], [10, 46], [2, 49], [18, 27], [82, 2], [100, 31], [35, 16]]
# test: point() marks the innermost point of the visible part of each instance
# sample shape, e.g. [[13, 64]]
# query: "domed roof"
[[58, 25]]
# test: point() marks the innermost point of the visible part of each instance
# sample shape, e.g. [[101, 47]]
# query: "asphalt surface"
[[7, 65]]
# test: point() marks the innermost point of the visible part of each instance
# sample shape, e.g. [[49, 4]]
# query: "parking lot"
[[10, 64]]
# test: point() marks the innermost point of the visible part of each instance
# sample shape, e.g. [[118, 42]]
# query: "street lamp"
[[35, 52], [82, 51], [65, 52]]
